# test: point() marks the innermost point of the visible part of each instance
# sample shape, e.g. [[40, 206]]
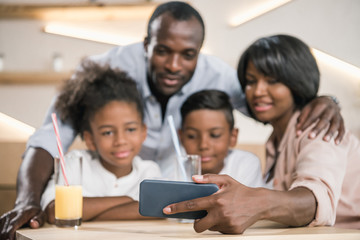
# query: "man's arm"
[[327, 111], [35, 170], [236, 207]]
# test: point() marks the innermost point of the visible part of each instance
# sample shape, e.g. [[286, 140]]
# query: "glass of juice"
[[68, 198]]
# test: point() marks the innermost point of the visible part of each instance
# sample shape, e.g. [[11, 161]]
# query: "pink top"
[[331, 172]]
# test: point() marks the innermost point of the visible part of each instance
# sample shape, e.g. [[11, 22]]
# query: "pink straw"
[[59, 146]]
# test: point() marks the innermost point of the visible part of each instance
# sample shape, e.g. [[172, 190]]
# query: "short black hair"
[[91, 88], [209, 100], [287, 59], [180, 11]]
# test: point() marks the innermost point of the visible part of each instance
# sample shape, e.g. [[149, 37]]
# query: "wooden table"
[[170, 229]]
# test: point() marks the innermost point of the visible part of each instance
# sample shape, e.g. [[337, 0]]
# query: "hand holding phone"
[[157, 194]]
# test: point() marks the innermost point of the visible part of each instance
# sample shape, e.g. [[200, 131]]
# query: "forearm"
[[95, 206], [92, 206], [294, 208], [128, 211], [34, 172]]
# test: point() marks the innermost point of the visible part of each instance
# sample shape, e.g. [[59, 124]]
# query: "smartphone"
[[157, 194]]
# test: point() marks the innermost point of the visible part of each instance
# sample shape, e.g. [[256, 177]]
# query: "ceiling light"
[[88, 34], [12, 123], [256, 11], [336, 63]]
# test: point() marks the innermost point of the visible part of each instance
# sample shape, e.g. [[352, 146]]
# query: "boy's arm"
[[93, 207]]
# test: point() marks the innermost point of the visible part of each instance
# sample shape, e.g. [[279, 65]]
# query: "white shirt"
[[99, 182], [244, 167], [210, 73]]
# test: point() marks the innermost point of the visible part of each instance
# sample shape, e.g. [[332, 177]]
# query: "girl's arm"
[[95, 206], [50, 212], [127, 211]]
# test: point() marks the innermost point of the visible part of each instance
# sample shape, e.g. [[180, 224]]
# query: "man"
[[168, 68]]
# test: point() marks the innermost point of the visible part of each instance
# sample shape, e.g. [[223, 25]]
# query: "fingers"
[[203, 203], [212, 223], [201, 225], [38, 220], [333, 128], [327, 114], [323, 122], [219, 180], [215, 221], [16, 218], [301, 121], [7, 226], [341, 132], [335, 124], [188, 206], [310, 114]]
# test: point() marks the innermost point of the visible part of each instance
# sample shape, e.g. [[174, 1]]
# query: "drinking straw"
[[176, 144], [59, 146]]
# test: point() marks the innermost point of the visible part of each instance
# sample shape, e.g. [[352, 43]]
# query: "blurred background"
[[42, 42]]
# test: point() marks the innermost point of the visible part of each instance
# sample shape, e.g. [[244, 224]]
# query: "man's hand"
[[232, 209], [19, 216], [327, 112], [34, 172]]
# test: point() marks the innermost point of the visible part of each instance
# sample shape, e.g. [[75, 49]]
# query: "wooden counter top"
[[170, 229]]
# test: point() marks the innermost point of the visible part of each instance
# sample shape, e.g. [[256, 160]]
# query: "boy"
[[208, 130]]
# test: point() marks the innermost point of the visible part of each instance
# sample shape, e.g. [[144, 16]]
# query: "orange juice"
[[68, 203]]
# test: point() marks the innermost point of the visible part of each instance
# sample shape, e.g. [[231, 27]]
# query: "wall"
[[328, 25]]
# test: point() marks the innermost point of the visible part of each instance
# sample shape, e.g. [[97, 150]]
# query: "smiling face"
[[208, 134], [117, 134], [268, 99], [172, 52]]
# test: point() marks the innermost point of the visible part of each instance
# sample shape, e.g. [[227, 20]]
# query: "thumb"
[[38, 220]]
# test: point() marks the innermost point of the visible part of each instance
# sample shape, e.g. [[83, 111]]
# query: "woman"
[[279, 76]]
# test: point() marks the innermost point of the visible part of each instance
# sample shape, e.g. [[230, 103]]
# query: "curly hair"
[[91, 88]]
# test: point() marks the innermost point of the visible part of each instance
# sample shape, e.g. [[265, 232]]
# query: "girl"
[[105, 108]]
